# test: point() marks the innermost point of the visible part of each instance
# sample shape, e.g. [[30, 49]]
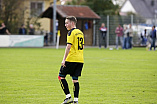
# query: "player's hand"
[[63, 63]]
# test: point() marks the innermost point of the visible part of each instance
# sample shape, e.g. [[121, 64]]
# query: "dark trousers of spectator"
[[130, 42], [126, 43], [119, 38], [103, 40], [144, 41], [153, 43]]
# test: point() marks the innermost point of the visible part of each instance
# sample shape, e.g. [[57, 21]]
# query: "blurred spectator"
[[119, 36], [126, 38], [46, 38], [31, 29], [130, 33], [4, 29], [144, 36], [22, 30], [103, 39], [153, 37]]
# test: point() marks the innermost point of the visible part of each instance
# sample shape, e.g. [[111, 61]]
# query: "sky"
[[120, 2]]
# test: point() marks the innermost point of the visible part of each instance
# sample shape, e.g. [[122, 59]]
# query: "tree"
[[12, 14], [75, 2], [102, 7], [9, 14]]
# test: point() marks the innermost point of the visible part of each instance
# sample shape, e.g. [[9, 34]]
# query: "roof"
[[82, 12], [144, 7]]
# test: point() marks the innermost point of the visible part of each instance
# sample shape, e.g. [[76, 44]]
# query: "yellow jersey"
[[75, 37]]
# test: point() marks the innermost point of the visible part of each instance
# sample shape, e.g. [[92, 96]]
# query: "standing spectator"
[[144, 35], [22, 30], [31, 29], [119, 36], [46, 38], [125, 38], [103, 39], [130, 30], [4, 29], [153, 37]]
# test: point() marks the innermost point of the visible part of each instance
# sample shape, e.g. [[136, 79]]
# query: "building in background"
[[144, 8], [17, 12], [84, 15], [33, 8]]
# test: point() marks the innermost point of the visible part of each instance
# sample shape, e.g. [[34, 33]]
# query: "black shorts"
[[72, 68]]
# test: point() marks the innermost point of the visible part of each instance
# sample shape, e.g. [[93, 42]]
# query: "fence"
[[111, 22]]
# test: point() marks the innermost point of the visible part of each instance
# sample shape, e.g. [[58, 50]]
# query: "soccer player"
[[73, 60]]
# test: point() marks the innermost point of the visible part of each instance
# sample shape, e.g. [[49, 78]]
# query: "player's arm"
[[66, 54]]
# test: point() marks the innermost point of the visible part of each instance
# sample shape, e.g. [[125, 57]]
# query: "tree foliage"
[[101, 7], [13, 15], [9, 13], [75, 2]]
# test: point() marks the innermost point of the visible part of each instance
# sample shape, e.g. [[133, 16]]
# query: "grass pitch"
[[29, 76]]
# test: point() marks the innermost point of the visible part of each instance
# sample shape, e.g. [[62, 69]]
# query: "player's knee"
[[59, 77], [75, 79]]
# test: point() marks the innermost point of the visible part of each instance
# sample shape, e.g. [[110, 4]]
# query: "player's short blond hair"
[[72, 18]]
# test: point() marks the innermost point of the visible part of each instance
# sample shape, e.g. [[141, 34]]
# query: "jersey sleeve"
[[70, 38], [83, 40]]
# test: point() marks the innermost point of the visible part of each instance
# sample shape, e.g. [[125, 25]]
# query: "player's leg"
[[64, 85], [76, 89], [65, 88]]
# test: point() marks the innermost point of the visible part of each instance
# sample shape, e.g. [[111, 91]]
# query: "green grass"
[[29, 76]]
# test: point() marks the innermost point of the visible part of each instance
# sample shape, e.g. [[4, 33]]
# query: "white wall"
[[127, 7]]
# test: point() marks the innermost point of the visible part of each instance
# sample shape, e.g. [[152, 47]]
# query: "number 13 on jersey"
[[80, 43]]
